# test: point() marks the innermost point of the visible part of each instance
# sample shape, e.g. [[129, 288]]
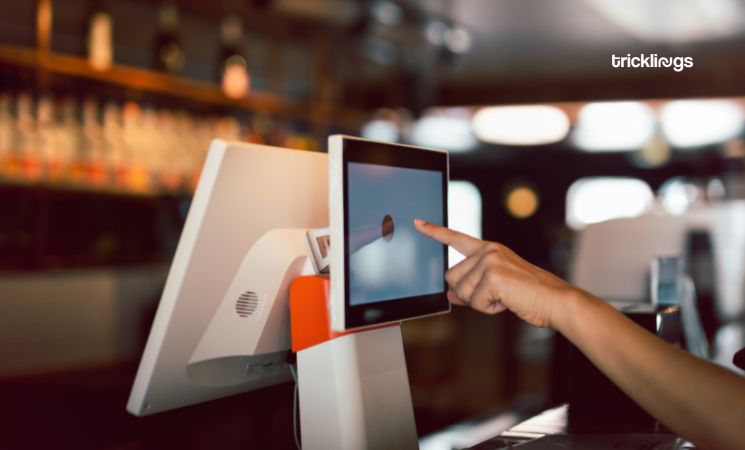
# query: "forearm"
[[699, 400]]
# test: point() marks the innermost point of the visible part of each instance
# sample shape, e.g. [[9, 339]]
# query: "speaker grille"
[[247, 304]]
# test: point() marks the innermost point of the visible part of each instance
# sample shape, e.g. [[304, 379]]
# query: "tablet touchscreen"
[[385, 270], [388, 258]]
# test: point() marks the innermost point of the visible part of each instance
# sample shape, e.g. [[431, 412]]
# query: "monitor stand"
[[353, 386], [258, 294]]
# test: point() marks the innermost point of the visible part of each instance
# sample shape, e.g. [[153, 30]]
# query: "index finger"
[[465, 244]]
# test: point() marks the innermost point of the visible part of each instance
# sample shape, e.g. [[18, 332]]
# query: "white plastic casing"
[[337, 301], [336, 211], [250, 199]]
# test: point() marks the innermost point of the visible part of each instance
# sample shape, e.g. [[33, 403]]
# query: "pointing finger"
[[465, 244]]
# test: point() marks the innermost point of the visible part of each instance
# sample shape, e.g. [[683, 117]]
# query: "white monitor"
[[382, 269], [222, 325]]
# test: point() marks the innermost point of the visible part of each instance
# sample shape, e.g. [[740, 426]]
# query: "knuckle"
[[486, 247], [463, 289], [492, 275], [491, 258], [451, 277], [452, 297]]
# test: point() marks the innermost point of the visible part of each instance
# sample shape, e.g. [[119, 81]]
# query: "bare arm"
[[700, 401]]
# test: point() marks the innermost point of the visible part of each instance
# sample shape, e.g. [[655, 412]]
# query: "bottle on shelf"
[[68, 137], [115, 153], [151, 148], [29, 165], [99, 43], [132, 147], [170, 155], [7, 137], [96, 173], [88, 169], [203, 133], [168, 54], [233, 67], [138, 177], [46, 142], [187, 140]]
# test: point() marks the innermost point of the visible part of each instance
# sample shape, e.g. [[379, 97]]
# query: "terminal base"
[[353, 386]]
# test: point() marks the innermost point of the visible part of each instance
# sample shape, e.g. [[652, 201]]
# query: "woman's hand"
[[701, 401], [493, 278]]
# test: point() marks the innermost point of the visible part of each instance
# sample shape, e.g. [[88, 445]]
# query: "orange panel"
[[309, 313]]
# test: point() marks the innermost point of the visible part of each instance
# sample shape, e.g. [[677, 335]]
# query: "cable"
[[296, 435]]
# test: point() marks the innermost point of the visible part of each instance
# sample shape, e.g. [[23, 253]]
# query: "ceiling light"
[[520, 125], [694, 123], [379, 50], [613, 126], [596, 199], [387, 12], [458, 40], [380, 130], [674, 20], [448, 132], [435, 32], [677, 195]]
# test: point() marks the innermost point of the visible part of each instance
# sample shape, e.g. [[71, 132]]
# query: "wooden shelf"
[[175, 86]]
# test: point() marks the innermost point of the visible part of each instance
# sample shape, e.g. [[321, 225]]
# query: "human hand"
[[493, 278]]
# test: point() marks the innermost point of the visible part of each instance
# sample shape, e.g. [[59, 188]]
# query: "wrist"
[[566, 307]]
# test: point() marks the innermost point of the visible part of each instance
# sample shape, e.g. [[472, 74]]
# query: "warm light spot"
[[235, 80], [522, 202], [100, 53], [655, 153]]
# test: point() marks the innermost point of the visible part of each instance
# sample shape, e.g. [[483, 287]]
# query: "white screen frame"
[[339, 301]]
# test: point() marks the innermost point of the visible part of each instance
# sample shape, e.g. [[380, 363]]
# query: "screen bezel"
[[399, 156]]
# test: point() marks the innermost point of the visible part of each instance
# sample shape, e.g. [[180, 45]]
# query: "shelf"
[[175, 86], [49, 228]]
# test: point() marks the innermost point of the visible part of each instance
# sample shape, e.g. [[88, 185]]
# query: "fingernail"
[[419, 222]]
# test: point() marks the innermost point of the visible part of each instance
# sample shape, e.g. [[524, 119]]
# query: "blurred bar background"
[[107, 108]]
